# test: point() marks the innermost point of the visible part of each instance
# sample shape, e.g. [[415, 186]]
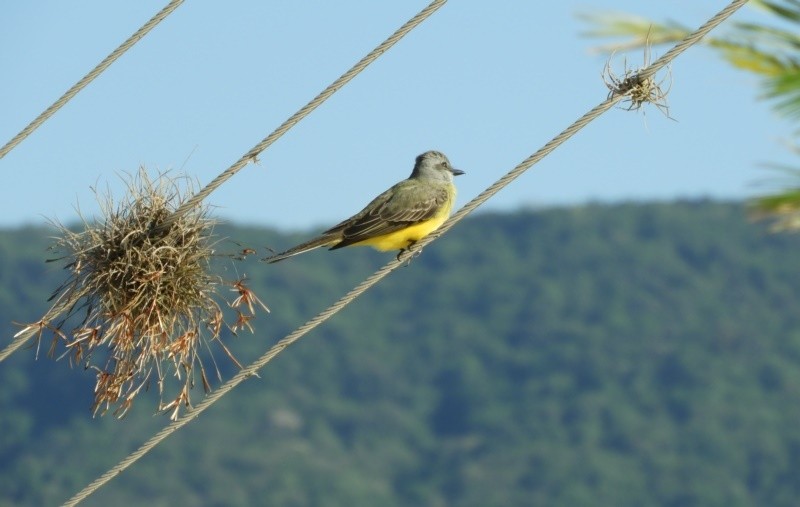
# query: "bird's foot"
[[408, 255]]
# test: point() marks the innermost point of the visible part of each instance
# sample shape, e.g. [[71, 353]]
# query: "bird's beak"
[[457, 172]]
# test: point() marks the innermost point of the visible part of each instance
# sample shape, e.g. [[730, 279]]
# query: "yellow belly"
[[402, 239]]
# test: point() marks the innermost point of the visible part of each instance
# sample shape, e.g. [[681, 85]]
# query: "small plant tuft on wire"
[[140, 298], [636, 89]]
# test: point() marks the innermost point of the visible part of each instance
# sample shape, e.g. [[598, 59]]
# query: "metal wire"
[[88, 78], [251, 155]]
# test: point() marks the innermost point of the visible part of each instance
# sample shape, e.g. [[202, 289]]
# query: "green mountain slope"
[[627, 355]]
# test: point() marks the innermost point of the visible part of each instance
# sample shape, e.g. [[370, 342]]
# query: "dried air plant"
[[636, 89], [142, 294]]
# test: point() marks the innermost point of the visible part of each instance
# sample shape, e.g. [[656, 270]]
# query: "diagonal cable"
[[88, 78], [298, 333], [345, 78]]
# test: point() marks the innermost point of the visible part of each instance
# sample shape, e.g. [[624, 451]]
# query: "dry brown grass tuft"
[[143, 295], [637, 90]]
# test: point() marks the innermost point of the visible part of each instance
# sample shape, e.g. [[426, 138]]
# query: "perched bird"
[[397, 218]]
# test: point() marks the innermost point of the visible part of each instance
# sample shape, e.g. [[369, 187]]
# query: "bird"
[[397, 218]]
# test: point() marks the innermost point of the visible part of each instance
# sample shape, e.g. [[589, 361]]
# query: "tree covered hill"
[[626, 355]]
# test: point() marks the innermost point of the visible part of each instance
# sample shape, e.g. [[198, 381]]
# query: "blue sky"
[[486, 83]]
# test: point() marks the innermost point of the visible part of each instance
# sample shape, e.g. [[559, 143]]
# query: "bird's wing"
[[407, 203]]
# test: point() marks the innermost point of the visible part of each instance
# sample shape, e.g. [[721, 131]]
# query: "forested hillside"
[[626, 355]]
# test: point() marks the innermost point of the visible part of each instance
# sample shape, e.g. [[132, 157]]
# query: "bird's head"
[[434, 165]]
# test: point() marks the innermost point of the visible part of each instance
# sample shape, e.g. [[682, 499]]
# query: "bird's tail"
[[324, 240]]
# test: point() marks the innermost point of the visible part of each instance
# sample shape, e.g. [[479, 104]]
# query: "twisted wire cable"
[[88, 78], [345, 78]]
